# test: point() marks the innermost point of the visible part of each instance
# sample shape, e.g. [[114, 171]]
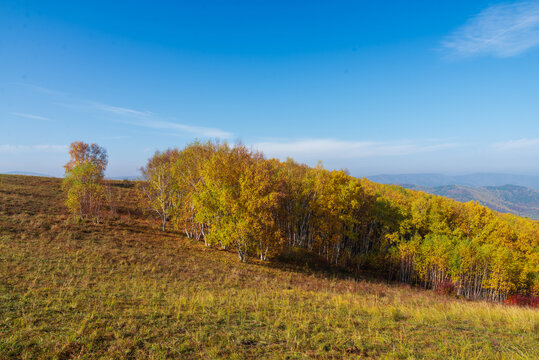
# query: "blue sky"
[[371, 86]]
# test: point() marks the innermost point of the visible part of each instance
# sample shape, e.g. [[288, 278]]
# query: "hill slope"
[[123, 289], [512, 199]]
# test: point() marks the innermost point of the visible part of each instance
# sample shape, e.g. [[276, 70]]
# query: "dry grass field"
[[125, 290]]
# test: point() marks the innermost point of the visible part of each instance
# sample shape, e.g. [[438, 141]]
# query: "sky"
[[370, 86]]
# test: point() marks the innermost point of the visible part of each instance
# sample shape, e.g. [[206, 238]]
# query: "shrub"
[[446, 287], [523, 300]]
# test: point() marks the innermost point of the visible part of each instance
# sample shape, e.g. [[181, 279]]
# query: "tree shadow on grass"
[[306, 262]]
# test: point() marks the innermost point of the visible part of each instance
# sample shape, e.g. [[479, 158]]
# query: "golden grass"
[[123, 289]]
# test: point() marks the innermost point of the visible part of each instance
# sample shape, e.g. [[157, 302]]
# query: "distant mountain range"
[[474, 180], [514, 199], [516, 194]]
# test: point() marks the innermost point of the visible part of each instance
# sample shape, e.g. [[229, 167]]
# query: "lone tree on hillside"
[[83, 180]]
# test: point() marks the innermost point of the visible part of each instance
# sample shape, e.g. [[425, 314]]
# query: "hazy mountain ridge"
[[511, 193], [471, 180], [27, 173], [514, 199]]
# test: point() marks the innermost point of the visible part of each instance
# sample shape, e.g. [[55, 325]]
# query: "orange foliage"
[[81, 153]]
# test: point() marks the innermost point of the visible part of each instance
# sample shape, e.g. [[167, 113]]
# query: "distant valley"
[[518, 200], [516, 194]]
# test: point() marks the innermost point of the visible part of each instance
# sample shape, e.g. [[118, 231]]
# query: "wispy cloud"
[[119, 110], [182, 128], [30, 116], [519, 144], [6, 148], [130, 116], [339, 149], [149, 120], [41, 89], [174, 128], [500, 30]]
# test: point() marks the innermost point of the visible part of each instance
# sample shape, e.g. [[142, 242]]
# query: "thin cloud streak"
[[119, 110], [340, 149], [519, 144], [504, 30], [148, 120], [192, 130], [30, 116], [41, 89], [134, 117]]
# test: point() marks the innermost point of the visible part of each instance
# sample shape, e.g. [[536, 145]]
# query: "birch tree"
[[158, 188]]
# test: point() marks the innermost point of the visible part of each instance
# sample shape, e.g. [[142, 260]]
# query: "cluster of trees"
[[83, 182], [234, 198]]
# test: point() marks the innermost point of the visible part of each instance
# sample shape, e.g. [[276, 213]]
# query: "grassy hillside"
[[512, 199], [123, 289]]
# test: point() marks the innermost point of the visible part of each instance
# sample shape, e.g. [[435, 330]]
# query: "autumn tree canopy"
[[81, 153], [234, 198]]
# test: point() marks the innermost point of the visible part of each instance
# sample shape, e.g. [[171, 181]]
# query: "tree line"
[[234, 198]]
